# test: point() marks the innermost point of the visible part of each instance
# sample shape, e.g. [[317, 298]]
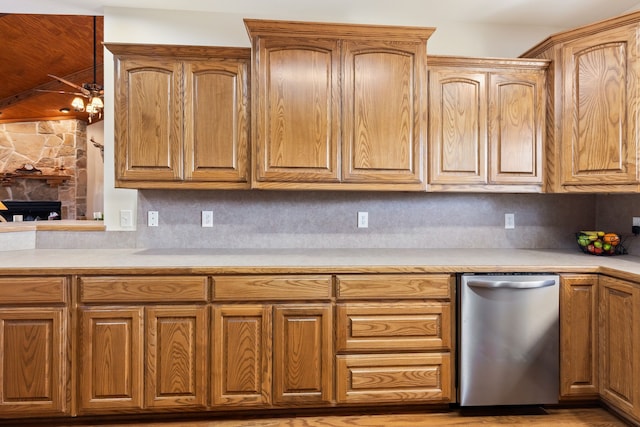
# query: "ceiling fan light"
[[77, 104], [97, 103]]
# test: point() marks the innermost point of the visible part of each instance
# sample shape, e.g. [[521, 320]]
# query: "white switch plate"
[[363, 219], [509, 221], [152, 218], [636, 221], [126, 218], [207, 218]]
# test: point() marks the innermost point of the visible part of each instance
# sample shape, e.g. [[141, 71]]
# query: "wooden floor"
[[554, 417]]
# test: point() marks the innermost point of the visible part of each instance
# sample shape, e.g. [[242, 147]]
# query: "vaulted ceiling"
[[34, 46]]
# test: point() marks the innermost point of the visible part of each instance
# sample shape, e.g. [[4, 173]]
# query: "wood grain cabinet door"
[[148, 120], [111, 360], [599, 130], [241, 355], [216, 123], [620, 344], [302, 354], [458, 111], [516, 127], [579, 336], [34, 377], [384, 112], [176, 354], [298, 110]]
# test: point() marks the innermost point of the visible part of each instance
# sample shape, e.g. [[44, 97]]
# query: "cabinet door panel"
[[176, 357], [302, 354], [241, 355], [111, 354], [216, 121], [383, 105], [600, 109], [33, 361], [148, 122], [297, 118], [579, 336], [458, 120], [619, 344], [516, 103]]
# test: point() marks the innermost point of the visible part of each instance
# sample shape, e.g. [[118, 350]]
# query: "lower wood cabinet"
[[142, 344], [394, 338], [35, 353], [272, 341], [579, 336], [620, 345]]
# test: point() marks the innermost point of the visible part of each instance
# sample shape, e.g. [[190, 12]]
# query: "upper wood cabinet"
[[593, 118], [486, 124], [181, 116], [338, 106]]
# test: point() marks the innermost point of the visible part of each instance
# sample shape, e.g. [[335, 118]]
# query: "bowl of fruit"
[[600, 243]]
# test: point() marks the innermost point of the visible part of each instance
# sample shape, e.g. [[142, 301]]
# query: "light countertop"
[[226, 261]]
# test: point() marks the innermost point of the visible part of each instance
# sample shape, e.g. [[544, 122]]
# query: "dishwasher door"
[[509, 340]]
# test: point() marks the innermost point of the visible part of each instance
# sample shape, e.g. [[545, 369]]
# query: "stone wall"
[[54, 147]]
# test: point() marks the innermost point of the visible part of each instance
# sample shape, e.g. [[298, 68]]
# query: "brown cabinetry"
[[486, 124], [579, 336], [620, 345], [357, 119], [592, 136], [181, 116], [399, 349], [35, 354], [143, 343], [276, 350]]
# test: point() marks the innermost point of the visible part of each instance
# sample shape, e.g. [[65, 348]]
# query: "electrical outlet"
[[509, 221], [363, 219], [207, 218], [126, 218], [152, 218]]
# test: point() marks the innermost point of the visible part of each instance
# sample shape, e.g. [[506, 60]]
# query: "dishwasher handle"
[[507, 284]]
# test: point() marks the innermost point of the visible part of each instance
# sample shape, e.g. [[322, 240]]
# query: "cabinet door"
[[148, 120], [600, 77], [241, 355], [176, 346], [458, 126], [298, 110], [302, 354], [34, 377], [216, 125], [516, 127], [579, 336], [111, 360], [620, 344], [384, 108]]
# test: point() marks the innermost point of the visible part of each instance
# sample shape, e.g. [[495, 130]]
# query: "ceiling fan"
[[93, 92]]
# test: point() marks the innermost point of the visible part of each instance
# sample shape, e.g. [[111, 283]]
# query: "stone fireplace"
[[56, 148]]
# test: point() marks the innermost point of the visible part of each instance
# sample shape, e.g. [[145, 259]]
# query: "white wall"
[[95, 170]]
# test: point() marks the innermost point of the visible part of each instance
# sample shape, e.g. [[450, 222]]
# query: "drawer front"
[[388, 327], [392, 378], [126, 289], [32, 290], [398, 286], [258, 288]]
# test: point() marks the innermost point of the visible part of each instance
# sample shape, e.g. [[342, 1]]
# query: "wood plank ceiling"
[[32, 46]]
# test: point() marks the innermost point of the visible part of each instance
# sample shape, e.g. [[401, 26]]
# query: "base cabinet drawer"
[[393, 378], [390, 326]]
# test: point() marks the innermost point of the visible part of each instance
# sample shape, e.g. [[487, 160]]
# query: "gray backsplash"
[[316, 219]]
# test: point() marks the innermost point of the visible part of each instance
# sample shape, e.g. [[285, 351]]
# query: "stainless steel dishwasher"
[[509, 339]]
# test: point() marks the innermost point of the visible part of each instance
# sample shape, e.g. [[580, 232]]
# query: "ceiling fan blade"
[[84, 91], [62, 92]]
